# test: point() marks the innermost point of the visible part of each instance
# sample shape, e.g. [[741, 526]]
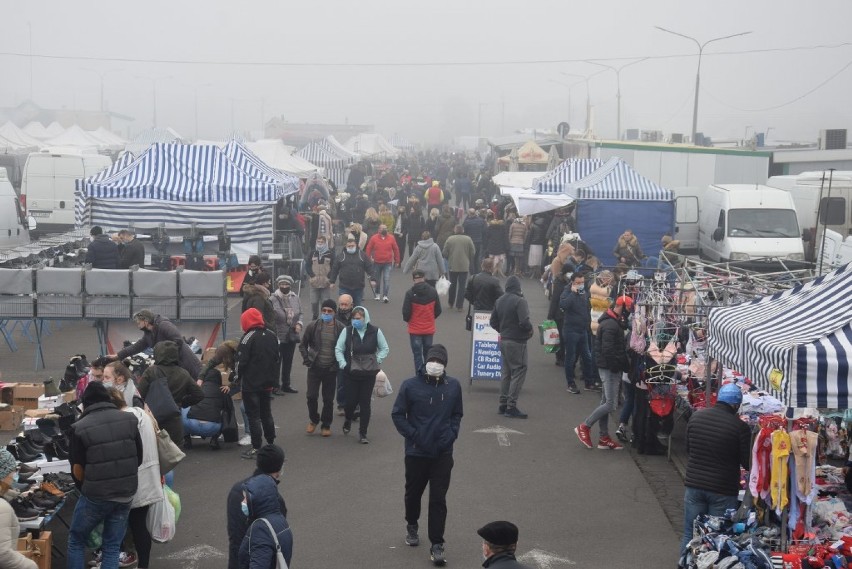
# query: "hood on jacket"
[[251, 318], [425, 243], [261, 496], [366, 313], [513, 286], [166, 353]]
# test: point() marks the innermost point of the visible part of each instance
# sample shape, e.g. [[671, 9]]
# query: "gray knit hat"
[[7, 463]]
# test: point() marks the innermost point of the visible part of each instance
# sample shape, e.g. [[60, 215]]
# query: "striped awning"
[[249, 162], [594, 180], [795, 344], [326, 153]]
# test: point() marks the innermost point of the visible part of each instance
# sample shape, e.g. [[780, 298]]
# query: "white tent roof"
[[75, 136], [371, 144], [36, 130], [517, 179], [17, 137], [54, 129], [109, 137], [279, 156]]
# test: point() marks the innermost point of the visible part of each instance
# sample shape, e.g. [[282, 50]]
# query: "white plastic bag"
[[443, 286], [383, 386], [161, 520]]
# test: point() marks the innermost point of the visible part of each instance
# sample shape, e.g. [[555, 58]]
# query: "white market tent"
[[76, 137], [280, 156], [519, 186], [795, 344], [36, 130], [517, 179], [329, 154], [152, 136], [54, 129], [16, 137], [369, 145], [109, 138]]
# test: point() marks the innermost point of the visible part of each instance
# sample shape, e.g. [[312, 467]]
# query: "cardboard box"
[[27, 394], [11, 417], [39, 548], [69, 396], [37, 413], [45, 402], [7, 393]]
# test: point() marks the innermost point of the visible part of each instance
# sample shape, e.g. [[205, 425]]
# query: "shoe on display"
[[515, 413], [311, 428], [326, 431], [245, 441], [50, 388], [411, 537], [250, 454], [501, 409], [436, 554], [23, 511], [347, 426], [606, 443], [363, 440], [573, 390], [27, 469], [583, 433], [385, 299], [51, 488]]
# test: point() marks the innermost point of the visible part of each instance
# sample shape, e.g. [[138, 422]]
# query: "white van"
[[47, 186], [749, 223], [817, 206], [687, 202], [13, 230]]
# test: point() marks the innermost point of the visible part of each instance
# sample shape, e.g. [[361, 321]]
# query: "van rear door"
[[686, 220]]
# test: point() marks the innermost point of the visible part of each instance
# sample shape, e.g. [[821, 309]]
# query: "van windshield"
[[760, 222]]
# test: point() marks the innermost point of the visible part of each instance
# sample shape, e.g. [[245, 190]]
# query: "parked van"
[[13, 228], [750, 224], [47, 186], [817, 206], [687, 208]]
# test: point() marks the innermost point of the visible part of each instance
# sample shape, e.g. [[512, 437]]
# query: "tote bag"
[[168, 452]]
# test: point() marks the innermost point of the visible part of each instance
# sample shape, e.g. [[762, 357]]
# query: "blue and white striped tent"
[[331, 155], [180, 184], [567, 173], [794, 344], [610, 180]]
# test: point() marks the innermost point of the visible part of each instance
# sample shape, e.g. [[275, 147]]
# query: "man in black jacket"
[[499, 542], [255, 371], [131, 251], [351, 266], [511, 318], [270, 461], [484, 288], [105, 455], [474, 227], [155, 329], [102, 252], [611, 356], [317, 349], [576, 328], [718, 444]]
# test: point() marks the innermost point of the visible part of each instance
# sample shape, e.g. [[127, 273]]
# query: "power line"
[[790, 102], [50, 56]]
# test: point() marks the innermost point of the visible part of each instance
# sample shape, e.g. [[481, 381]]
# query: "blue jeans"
[[578, 342], [383, 273], [609, 400], [341, 390], [87, 515], [200, 428], [357, 294], [697, 502], [629, 397], [420, 344]]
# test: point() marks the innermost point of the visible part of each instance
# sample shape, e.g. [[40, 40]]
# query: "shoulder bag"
[[468, 320], [280, 562], [361, 365], [168, 452], [159, 398]]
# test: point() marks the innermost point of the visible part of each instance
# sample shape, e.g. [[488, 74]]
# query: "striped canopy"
[[794, 344], [329, 154], [596, 180]]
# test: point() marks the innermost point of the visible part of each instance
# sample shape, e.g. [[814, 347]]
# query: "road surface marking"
[[502, 434], [544, 559]]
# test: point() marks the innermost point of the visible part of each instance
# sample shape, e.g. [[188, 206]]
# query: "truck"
[[818, 206], [751, 224], [48, 184]]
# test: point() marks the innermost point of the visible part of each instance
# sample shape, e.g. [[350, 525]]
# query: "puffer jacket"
[[420, 309], [718, 444], [517, 233], [237, 522], [351, 269], [210, 408], [482, 291], [164, 330], [428, 413], [10, 528], [444, 228], [257, 550], [102, 253], [611, 345], [475, 227], [576, 310], [258, 296], [288, 313], [511, 314], [106, 452], [149, 490], [257, 362], [426, 257], [496, 238]]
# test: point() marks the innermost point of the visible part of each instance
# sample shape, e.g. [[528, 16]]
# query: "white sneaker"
[[245, 441], [385, 299], [377, 297]]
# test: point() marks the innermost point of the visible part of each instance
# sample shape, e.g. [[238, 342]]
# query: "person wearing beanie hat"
[[318, 267], [427, 412], [259, 295], [499, 542], [106, 451], [317, 349], [511, 318], [256, 369], [718, 443], [269, 462], [9, 525], [288, 326]]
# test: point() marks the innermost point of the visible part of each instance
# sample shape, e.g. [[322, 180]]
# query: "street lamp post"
[[153, 81], [101, 75], [588, 97], [617, 71], [701, 47]]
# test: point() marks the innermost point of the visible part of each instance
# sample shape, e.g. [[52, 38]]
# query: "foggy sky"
[[433, 103]]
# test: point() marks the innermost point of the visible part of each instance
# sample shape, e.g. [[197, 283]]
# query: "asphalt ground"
[[574, 506]]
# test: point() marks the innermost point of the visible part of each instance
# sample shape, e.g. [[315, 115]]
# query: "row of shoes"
[[37, 502], [33, 444]]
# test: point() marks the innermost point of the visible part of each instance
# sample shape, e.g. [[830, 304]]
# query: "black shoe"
[[56, 450], [277, 392], [24, 469], [214, 443], [411, 537], [436, 554], [187, 442], [572, 389], [363, 440], [23, 511], [28, 447], [515, 413], [288, 389], [21, 454], [501, 410], [593, 387], [347, 426]]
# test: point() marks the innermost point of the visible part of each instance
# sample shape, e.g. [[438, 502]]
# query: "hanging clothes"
[[804, 444], [778, 484], [759, 475]]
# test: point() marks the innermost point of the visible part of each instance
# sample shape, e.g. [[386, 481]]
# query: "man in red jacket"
[[420, 309], [384, 252]]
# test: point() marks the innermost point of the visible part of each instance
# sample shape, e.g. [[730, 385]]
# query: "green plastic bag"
[[548, 333], [96, 538], [174, 500]]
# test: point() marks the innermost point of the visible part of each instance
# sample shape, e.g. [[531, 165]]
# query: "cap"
[[731, 394], [418, 274], [284, 278], [270, 459], [499, 533], [7, 463], [328, 303], [437, 352]]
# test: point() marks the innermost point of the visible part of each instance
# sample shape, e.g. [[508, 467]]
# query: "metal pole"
[[30, 28], [695, 105], [196, 114], [618, 103], [102, 93], [825, 223], [154, 91]]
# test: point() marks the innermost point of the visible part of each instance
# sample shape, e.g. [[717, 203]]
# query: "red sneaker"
[[583, 433], [605, 443]]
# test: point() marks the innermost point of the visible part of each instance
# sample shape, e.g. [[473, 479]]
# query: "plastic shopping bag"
[[443, 286], [161, 520], [174, 500], [549, 336], [383, 386]]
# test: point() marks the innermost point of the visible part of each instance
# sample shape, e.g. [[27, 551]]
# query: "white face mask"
[[434, 369], [350, 250]]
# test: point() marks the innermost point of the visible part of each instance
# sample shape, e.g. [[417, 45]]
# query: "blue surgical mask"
[[322, 248], [358, 324], [327, 317], [244, 507], [581, 288]]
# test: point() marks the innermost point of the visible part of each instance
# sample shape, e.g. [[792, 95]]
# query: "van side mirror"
[[718, 234]]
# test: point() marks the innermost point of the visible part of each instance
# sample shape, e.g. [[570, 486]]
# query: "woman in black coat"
[[415, 226], [205, 417]]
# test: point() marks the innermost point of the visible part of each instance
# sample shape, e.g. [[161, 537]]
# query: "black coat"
[[164, 330], [102, 253], [511, 314], [576, 310], [210, 408], [482, 291], [237, 522], [311, 342], [503, 561], [497, 238], [106, 443], [611, 345], [474, 227], [258, 360], [350, 268], [718, 443], [182, 386], [130, 254]]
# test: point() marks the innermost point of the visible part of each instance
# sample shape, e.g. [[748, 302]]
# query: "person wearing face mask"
[[270, 461], [427, 412], [268, 530], [351, 266], [317, 349], [318, 268], [344, 316], [576, 328], [9, 526], [367, 342], [288, 326], [118, 376], [384, 252]]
